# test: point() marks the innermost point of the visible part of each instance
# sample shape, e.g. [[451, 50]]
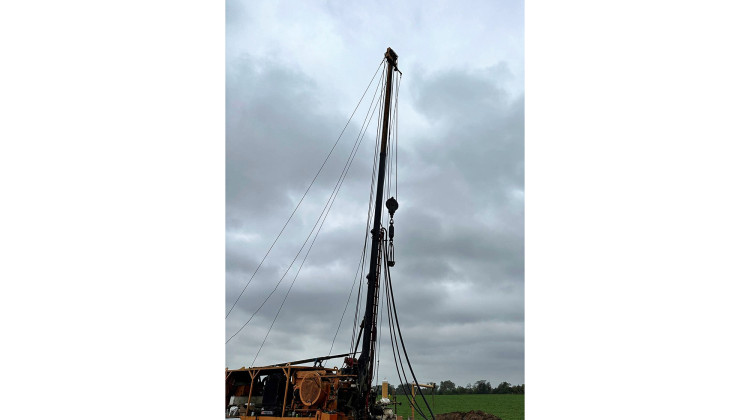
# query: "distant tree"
[[482, 387], [517, 389], [503, 388], [447, 388]]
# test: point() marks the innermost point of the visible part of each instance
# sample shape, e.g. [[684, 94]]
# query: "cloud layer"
[[459, 242]]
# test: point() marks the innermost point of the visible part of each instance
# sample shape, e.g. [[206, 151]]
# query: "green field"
[[505, 406]]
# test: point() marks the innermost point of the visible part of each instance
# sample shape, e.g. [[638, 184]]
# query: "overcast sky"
[[293, 76]]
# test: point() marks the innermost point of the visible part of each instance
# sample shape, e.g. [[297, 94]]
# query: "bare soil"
[[471, 415]]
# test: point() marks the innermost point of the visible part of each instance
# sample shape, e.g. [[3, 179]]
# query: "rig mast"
[[370, 327]]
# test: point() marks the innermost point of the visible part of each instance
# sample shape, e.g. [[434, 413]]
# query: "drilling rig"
[[340, 393]]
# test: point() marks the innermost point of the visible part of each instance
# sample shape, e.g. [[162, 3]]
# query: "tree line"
[[479, 387], [450, 388]]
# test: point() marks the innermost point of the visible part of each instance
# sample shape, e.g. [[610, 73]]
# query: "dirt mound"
[[471, 415]]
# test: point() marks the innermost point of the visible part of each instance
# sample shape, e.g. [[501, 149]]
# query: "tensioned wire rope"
[[351, 154], [306, 191], [380, 323], [389, 292], [392, 327], [396, 351], [354, 344], [360, 268], [392, 129], [331, 200], [373, 177], [395, 132], [393, 152], [391, 306], [361, 264], [392, 133]]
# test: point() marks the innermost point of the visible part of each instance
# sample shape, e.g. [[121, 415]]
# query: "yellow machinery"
[[293, 390], [290, 390]]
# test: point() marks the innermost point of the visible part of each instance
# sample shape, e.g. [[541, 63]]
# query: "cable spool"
[[311, 389]]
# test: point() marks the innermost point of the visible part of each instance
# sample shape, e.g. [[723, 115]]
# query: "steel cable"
[[403, 346], [355, 147], [394, 344], [370, 209], [364, 250], [306, 191], [324, 215]]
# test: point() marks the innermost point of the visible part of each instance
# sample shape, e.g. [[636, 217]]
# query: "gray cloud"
[[459, 229]]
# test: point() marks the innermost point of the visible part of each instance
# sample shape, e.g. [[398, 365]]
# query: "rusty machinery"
[[293, 390]]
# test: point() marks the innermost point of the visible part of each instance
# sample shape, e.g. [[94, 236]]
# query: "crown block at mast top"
[[392, 57]]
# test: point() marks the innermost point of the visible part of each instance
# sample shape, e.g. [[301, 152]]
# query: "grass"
[[505, 406]]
